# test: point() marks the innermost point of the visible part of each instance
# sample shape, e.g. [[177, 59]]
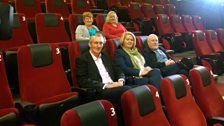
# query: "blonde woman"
[[84, 32], [128, 58], [112, 28]]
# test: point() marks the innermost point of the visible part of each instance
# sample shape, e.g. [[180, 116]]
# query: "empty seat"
[[203, 50], [134, 11], [213, 41], [205, 93], [220, 34], [28, 7], [176, 22], [96, 113], [198, 22], [200, 43], [9, 115], [181, 108], [50, 28], [170, 9], [43, 83], [159, 9], [100, 20], [188, 23], [57, 6], [74, 20], [20, 34], [141, 107], [80, 6], [148, 10]]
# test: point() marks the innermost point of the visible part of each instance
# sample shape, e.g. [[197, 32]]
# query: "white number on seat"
[[112, 112]]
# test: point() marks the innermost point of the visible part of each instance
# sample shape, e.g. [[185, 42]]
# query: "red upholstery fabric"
[[177, 24], [207, 97], [7, 111], [20, 34], [61, 9], [220, 33], [213, 41], [163, 24], [181, 111], [100, 20], [141, 41], [42, 83], [74, 20], [51, 34], [6, 100], [30, 9], [71, 118], [188, 23], [200, 43], [111, 46], [74, 52], [132, 115], [80, 6], [148, 1], [170, 9], [159, 9], [198, 23], [134, 10], [148, 10]]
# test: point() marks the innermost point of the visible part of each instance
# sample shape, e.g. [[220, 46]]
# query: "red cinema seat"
[[198, 22], [80, 6], [50, 28], [43, 83], [206, 94], [96, 113], [181, 108], [74, 20], [28, 7], [141, 107], [220, 34], [20, 34], [188, 23], [213, 41], [57, 6]]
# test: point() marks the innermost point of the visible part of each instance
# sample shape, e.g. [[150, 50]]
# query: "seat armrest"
[[170, 51], [215, 120]]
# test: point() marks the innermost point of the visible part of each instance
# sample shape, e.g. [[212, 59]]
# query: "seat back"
[[28, 7], [141, 42], [170, 9], [50, 28], [57, 6], [40, 69], [96, 113], [182, 110], [198, 23], [163, 24], [74, 52], [148, 10], [205, 92], [100, 20], [200, 43], [74, 20], [134, 11], [159, 9], [213, 41], [6, 100], [80, 6], [141, 107], [111, 46], [188, 23], [176, 22], [147, 1], [20, 34], [220, 33], [6, 17]]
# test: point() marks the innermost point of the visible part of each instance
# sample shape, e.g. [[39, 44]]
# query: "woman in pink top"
[[112, 28]]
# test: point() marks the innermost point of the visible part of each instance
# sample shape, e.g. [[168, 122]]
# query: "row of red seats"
[[31, 7], [125, 3], [141, 105]]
